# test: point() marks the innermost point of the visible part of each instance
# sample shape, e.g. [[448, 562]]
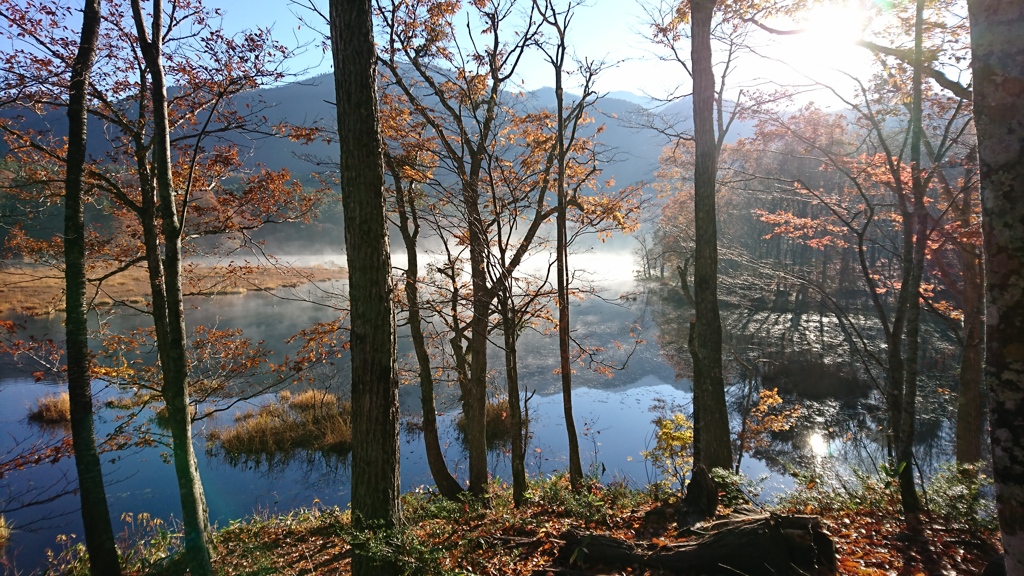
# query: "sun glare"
[[834, 26], [818, 444], [828, 42]]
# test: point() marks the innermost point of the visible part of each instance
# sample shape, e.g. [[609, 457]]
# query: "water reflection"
[[818, 444]]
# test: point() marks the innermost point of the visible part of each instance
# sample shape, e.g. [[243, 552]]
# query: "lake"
[[613, 415]]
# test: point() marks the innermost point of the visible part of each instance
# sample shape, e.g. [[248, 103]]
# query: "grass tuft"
[[5, 531], [312, 420], [52, 409], [499, 423]]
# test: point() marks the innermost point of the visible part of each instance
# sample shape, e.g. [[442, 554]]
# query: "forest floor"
[[37, 290], [442, 537]]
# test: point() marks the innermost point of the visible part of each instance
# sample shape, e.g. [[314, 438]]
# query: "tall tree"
[[162, 232], [558, 21], [99, 533], [375, 474], [708, 23], [157, 161], [407, 143], [712, 415], [997, 44]]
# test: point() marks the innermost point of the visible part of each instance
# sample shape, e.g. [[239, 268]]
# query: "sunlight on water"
[[818, 444]]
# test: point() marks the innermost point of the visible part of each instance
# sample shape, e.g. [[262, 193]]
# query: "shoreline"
[[38, 290]]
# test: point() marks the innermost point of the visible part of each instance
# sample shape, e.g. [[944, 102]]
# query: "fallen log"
[[753, 545]]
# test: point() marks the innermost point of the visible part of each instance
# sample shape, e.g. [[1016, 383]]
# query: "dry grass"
[[52, 409], [499, 423], [311, 420], [5, 531], [38, 290]]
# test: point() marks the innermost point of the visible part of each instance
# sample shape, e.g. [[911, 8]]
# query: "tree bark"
[[98, 530], [998, 71], [375, 454], [474, 394], [709, 383], [168, 304], [741, 544]]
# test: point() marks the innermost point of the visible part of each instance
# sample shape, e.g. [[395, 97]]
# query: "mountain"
[[631, 149], [639, 100]]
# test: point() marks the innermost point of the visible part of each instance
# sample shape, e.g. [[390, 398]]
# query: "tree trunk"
[[474, 394], [447, 485], [745, 543], [168, 305], [998, 71], [969, 416], [709, 384], [919, 224], [99, 533], [562, 257], [510, 328], [375, 453]]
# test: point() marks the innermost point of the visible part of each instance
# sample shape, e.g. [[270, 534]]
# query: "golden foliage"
[[672, 454], [767, 416], [5, 531]]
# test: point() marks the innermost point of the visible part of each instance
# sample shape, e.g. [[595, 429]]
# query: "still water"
[[612, 413]]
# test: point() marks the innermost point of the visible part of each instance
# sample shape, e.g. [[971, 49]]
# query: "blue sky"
[[611, 30]]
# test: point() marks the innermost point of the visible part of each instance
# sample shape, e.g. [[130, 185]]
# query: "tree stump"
[[701, 500]]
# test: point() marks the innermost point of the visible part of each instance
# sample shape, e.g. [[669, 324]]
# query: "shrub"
[[736, 489], [866, 493], [147, 542], [52, 409], [960, 494], [672, 454]]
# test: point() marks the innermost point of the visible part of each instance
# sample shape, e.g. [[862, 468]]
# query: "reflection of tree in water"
[[782, 340]]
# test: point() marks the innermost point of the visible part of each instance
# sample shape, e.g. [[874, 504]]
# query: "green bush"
[[737, 489], [865, 493], [960, 494]]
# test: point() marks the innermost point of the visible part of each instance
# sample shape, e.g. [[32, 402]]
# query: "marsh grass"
[[37, 290], [51, 409], [312, 420], [499, 423], [5, 531]]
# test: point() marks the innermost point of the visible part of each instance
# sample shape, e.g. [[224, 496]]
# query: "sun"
[[824, 46], [833, 26]]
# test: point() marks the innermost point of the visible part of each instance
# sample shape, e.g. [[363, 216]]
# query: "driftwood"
[[749, 544]]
